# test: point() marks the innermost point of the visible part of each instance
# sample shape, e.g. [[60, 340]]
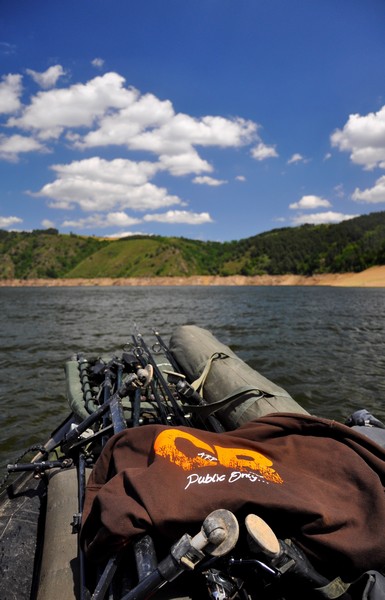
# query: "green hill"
[[352, 245], [42, 253], [150, 256]]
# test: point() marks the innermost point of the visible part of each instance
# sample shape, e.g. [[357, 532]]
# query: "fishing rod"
[[166, 350], [184, 389], [178, 412], [138, 352], [40, 467], [188, 394], [113, 404]]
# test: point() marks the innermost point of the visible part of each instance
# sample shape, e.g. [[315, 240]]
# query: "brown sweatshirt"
[[314, 480]]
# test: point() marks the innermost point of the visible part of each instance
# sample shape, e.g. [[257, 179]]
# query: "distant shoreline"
[[373, 277]]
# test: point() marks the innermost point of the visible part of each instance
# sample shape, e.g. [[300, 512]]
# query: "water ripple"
[[326, 346]]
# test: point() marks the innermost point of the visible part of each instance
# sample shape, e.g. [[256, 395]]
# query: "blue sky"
[[210, 119]]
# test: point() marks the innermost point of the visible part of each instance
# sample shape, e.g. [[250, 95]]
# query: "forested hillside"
[[352, 245], [42, 253]]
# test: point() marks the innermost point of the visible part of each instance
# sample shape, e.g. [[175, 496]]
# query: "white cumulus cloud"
[[321, 218], [181, 131], [206, 180], [296, 158], [138, 114], [48, 78], [10, 91], [98, 63], [263, 151], [104, 112], [309, 203], [12, 146], [47, 224], [100, 221], [364, 138], [96, 184], [9, 221], [123, 234], [374, 195], [76, 106], [151, 125], [180, 216], [118, 170], [184, 163]]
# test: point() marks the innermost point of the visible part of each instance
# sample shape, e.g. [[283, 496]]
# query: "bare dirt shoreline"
[[373, 277]]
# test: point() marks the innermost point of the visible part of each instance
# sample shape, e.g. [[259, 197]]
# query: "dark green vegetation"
[[352, 245], [42, 253]]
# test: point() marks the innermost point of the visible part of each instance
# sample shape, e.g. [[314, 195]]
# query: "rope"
[[198, 384]]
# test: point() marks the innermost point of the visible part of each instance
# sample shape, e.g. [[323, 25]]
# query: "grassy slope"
[[142, 257], [42, 254]]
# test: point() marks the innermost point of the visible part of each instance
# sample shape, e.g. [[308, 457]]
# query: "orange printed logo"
[[188, 452]]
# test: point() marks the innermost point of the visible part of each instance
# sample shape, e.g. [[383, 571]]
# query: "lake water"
[[326, 346]]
